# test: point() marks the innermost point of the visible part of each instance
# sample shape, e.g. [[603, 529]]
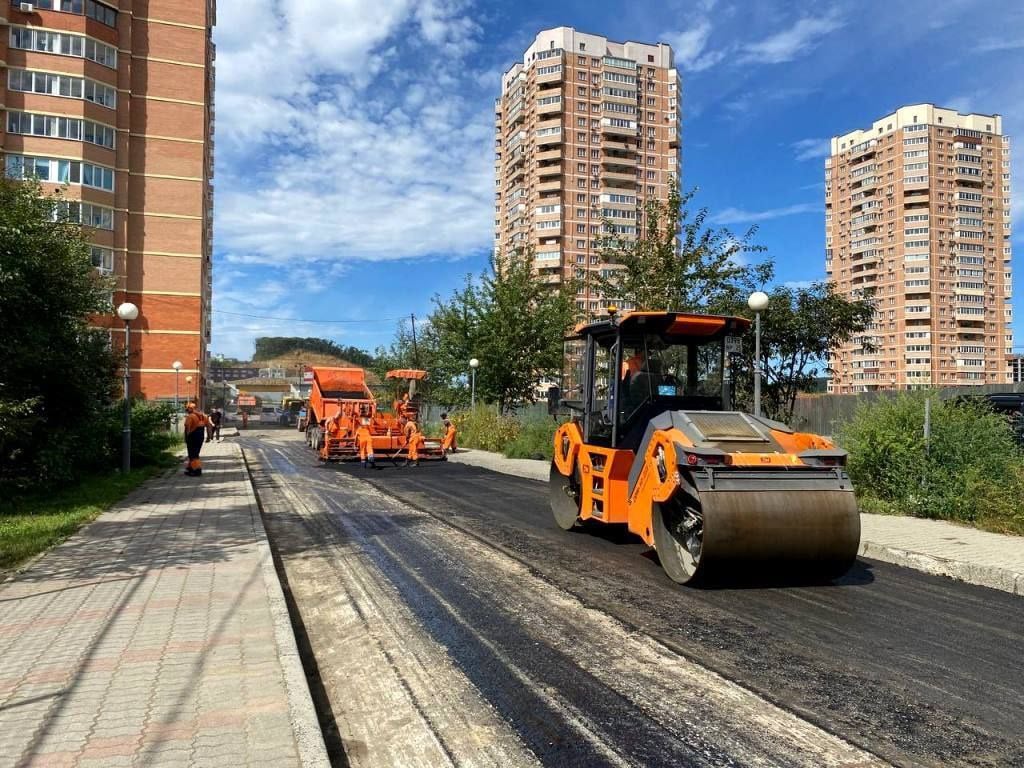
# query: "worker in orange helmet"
[[364, 440], [413, 440], [195, 433], [448, 441]]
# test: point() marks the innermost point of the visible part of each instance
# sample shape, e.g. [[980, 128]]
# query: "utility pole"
[[415, 349]]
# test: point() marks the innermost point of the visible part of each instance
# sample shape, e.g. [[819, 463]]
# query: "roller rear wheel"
[[564, 497], [678, 537]]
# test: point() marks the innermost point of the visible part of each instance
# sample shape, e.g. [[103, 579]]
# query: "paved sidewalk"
[[933, 546], [157, 636]]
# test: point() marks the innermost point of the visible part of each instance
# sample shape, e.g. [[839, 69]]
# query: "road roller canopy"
[[640, 364], [677, 326], [406, 374]]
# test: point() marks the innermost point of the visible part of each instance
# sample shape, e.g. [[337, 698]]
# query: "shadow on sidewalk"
[[170, 523]]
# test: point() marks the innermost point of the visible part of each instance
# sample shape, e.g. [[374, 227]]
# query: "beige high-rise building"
[[586, 130], [917, 215], [111, 101]]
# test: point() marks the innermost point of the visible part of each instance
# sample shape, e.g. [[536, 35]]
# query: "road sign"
[[733, 345], [246, 400]]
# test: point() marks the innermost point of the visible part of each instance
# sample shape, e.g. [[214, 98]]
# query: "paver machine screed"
[[653, 444]]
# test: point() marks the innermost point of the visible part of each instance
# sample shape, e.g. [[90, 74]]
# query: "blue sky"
[[354, 137]]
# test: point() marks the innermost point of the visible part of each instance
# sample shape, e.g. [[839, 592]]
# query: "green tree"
[[509, 320], [57, 374], [799, 329], [676, 262]]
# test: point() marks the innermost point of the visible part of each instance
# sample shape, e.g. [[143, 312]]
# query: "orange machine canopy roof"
[[347, 379], [671, 325], [406, 373]]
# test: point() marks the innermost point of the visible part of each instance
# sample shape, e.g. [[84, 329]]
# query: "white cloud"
[[740, 216], [992, 44], [800, 38], [690, 47], [345, 132], [810, 149]]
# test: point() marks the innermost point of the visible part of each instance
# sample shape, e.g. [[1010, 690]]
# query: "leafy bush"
[[534, 441], [483, 428], [972, 471], [151, 436]]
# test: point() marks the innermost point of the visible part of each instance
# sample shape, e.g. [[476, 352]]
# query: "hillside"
[[293, 361]]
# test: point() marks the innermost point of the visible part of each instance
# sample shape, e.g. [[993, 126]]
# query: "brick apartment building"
[[114, 101], [918, 217], [586, 129]]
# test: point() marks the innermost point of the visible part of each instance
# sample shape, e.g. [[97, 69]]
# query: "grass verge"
[[32, 524]]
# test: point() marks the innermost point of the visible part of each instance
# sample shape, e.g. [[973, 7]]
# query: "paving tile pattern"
[[147, 638]]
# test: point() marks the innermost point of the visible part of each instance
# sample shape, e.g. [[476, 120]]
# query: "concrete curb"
[[309, 739], [991, 576]]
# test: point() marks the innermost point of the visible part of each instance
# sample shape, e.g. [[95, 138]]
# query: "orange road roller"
[[654, 444]]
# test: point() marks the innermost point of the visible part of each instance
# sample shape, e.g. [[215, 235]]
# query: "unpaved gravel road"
[[449, 622]]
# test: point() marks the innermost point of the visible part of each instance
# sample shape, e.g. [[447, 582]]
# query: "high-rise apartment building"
[[918, 217], [587, 130], [112, 101]]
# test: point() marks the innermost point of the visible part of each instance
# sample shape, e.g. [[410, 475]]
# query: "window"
[[549, 70], [65, 44], [102, 13], [64, 6], [28, 81], [59, 171], [618, 77], [60, 128], [86, 214], [102, 259], [620, 92]]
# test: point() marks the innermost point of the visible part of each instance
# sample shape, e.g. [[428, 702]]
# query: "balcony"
[[621, 126], [620, 177], [625, 161], [969, 314], [549, 77], [549, 169], [554, 185], [617, 144], [551, 108], [863, 149]]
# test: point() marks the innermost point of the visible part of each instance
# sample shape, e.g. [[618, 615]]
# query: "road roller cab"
[[654, 445]]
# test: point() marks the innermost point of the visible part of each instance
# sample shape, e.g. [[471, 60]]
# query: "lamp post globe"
[[473, 365], [758, 302], [127, 312]]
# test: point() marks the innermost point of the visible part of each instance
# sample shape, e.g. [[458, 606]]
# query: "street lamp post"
[[176, 365], [758, 302], [473, 365], [127, 312]]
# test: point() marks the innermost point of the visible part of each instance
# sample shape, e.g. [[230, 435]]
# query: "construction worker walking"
[[196, 423], [413, 441], [448, 441], [364, 441]]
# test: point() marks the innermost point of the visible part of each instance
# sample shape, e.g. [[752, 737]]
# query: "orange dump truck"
[[339, 402]]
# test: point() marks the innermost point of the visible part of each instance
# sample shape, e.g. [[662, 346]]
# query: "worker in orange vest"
[[364, 441], [413, 440], [448, 441], [195, 433]]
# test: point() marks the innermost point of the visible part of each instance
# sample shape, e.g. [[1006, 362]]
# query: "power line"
[[300, 320]]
